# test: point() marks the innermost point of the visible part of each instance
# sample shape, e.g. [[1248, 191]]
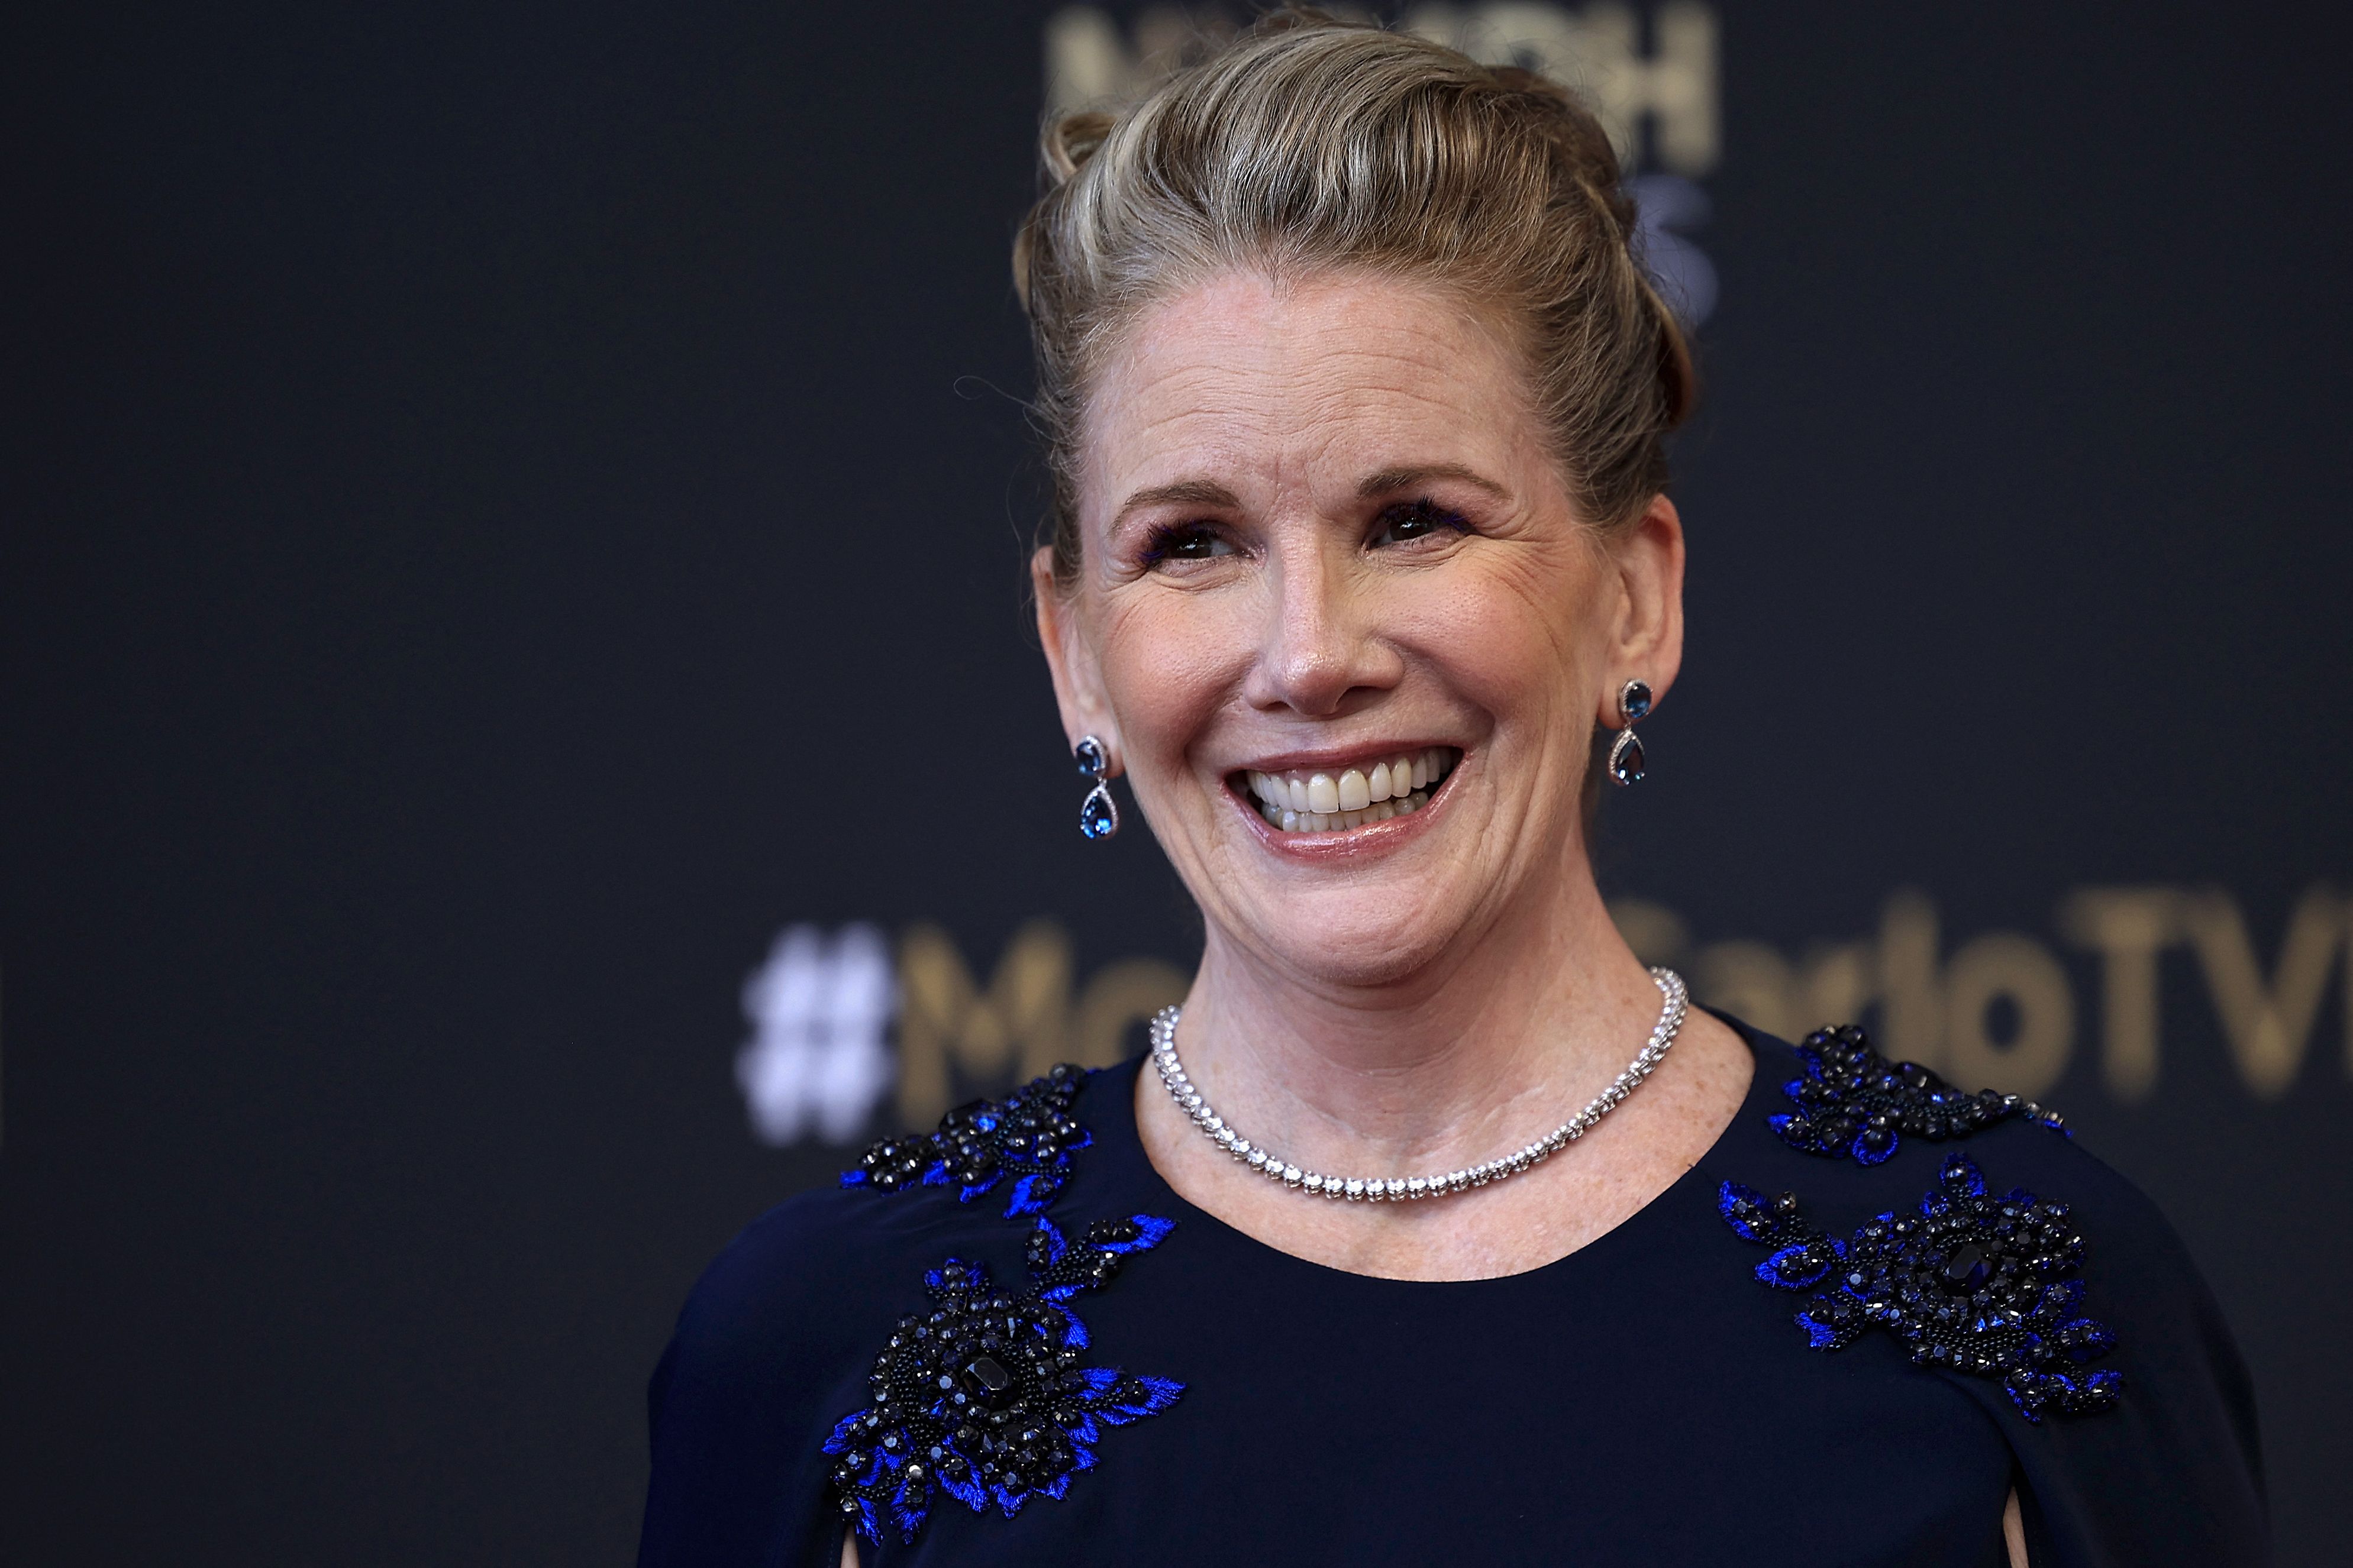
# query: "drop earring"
[[1626, 750], [1098, 814]]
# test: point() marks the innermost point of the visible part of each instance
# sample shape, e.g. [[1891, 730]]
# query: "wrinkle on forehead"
[[1290, 381]]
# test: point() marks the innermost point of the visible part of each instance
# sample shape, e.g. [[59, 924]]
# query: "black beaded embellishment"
[[989, 1398], [1029, 1136], [1972, 1283], [1854, 1101]]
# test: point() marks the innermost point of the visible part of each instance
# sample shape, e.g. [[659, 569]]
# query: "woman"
[[1362, 573]]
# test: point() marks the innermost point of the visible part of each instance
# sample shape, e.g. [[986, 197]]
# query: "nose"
[[1321, 647]]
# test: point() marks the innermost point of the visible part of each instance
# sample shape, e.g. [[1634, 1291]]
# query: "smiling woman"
[[1320, 531], [1356, 398]]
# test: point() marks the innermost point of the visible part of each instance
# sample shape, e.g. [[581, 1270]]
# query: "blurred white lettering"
[[819, 1009]]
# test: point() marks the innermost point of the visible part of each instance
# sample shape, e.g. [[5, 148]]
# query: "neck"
[[1487, 1046]]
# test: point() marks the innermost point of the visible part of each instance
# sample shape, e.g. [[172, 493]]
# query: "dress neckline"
[[1110, 1114]]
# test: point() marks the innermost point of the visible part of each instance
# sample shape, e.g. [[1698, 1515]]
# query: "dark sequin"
[[1029, 1137], [990, 1399], [1854, 1101], [1973, 1283]]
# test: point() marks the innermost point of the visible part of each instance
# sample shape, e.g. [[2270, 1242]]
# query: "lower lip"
[[1372, 838]]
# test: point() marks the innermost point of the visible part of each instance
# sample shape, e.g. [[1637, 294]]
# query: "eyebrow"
[[1185, 492], [1391, 479], [1203, 492]]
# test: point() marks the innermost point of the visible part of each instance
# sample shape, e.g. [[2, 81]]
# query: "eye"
[[1410, 521], [1185, 542]]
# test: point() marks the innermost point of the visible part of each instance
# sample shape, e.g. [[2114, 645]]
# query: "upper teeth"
[[1321, 802]]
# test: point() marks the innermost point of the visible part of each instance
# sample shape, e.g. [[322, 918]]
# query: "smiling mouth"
[[1340, 799]]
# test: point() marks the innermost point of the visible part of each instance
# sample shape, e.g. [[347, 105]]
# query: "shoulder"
[[1854, 1124], [779, 1337], [806, 1291], [1976, 1231], [1853, 1133], [760, 1300], [770, 1348]]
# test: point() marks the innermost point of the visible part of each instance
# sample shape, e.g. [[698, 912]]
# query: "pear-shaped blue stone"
[[1626, 757], [1098, 817]]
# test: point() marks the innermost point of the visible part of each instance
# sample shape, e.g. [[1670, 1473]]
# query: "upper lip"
[[1330, 758]]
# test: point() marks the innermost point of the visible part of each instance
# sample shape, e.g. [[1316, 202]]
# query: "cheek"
[[1519, 631], [1168, 661]]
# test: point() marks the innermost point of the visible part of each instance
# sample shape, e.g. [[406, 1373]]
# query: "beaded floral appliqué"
[[1854, 1101], [1029, 1137], [1973, 1283], [988, 1399]]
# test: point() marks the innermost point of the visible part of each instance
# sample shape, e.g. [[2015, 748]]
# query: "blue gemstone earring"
[[1626, 751], [1098, 814]]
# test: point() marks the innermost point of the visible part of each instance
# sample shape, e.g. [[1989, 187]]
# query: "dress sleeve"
[[2173, 1474], [738, 1480]]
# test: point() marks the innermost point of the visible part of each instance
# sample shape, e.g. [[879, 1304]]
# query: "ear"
[[1078, 680], [1647, 644]]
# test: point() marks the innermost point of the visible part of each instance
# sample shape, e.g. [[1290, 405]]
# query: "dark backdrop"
[[506, 510]]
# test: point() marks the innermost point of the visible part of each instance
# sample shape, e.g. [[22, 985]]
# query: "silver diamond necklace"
[[1393, 1189]]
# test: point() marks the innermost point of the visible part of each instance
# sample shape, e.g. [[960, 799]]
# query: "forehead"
[[1303, 382]]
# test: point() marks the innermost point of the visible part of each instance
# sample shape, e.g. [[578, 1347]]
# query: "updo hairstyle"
[[1310, 145]]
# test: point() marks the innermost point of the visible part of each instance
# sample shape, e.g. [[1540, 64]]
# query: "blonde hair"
[[1311, 145]]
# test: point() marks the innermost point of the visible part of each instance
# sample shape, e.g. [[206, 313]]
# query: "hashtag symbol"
[[818, 1010]]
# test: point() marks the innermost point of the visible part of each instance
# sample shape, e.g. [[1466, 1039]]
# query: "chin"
[[1304, 937]]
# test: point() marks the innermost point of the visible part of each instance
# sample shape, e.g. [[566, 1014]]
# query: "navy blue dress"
[[1012, 1342]]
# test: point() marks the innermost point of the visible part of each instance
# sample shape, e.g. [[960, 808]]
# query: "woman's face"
[[1338, 622]]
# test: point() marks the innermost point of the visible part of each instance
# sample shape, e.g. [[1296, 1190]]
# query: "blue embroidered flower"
[[1854, 1101], [1973, 1283], [1029, 1137], [988, 1399]]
